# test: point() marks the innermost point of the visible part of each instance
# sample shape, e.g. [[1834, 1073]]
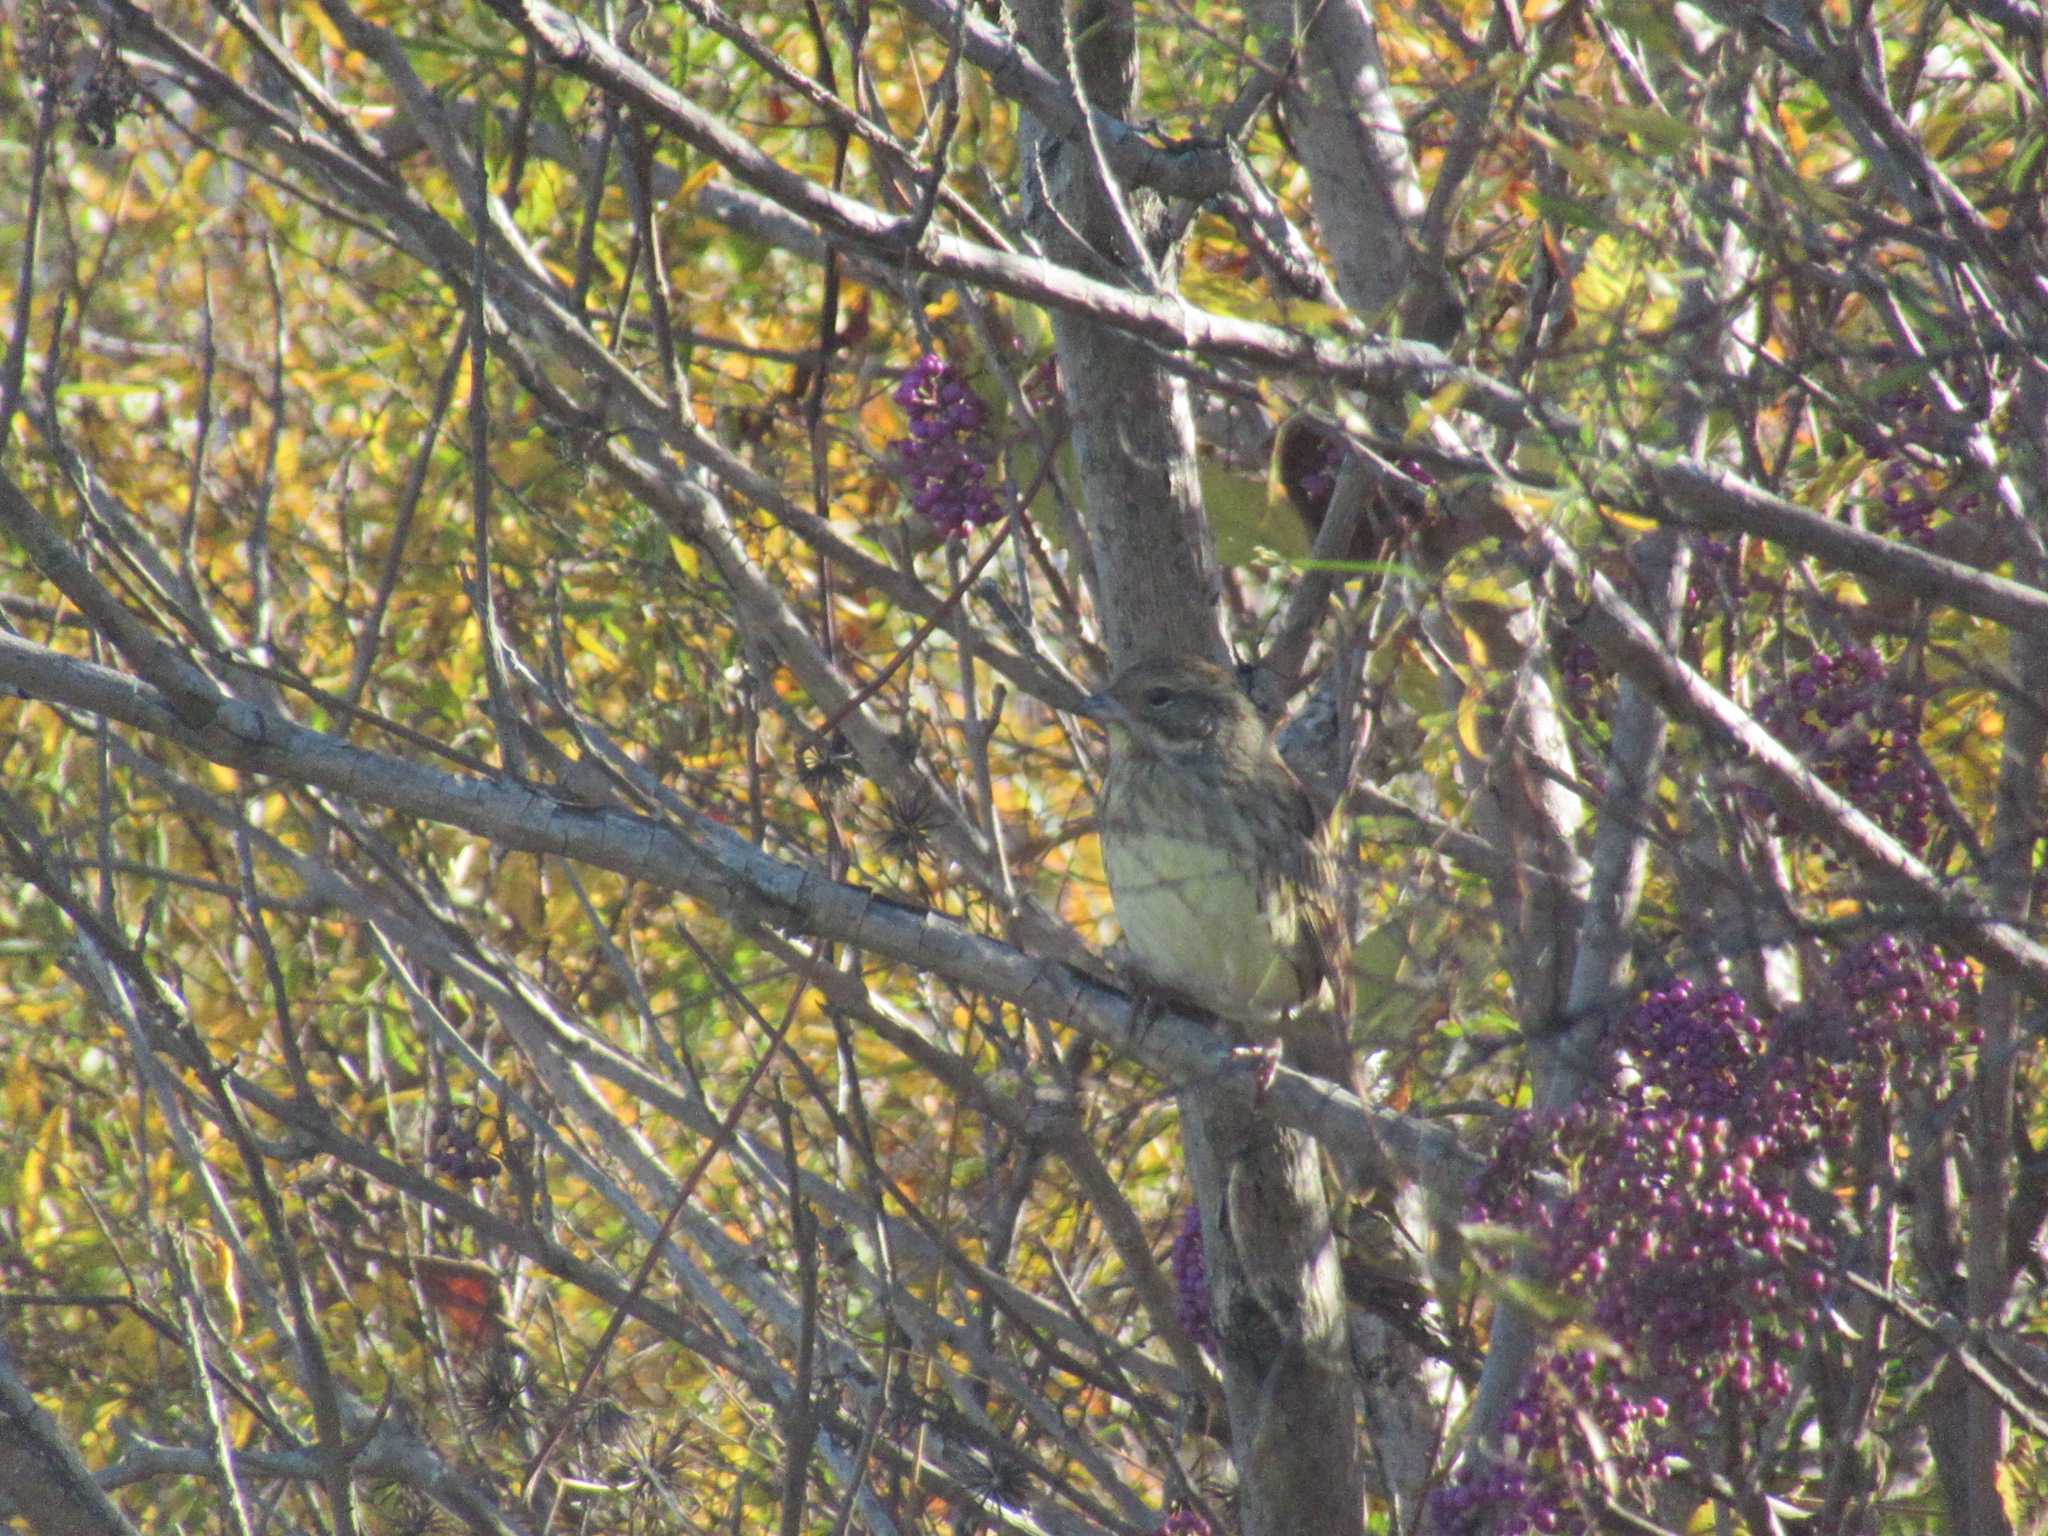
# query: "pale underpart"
[[1196, 921]]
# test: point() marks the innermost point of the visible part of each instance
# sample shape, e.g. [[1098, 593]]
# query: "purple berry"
[[1191, 1279], [945, 459]]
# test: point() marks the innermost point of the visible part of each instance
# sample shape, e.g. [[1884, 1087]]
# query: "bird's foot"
[[1150, 1000], [1264, 1061], [1147, 1008]]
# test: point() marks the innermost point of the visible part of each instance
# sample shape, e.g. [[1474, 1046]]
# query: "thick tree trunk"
[[1277, 1288]]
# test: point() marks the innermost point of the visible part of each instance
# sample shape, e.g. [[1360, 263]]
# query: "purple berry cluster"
[[1535, 1489], [1860, 733], [1716, 575], [1492, 1495], [1908, 497], [946, 457], [1319, 480], [1311, 457], [1191, 1279], [1588, 681], [1715, 581], [1919, 435], [458, 1154], [1677, 1242], [1903, 1005], [1905, 504], [1915, 410]]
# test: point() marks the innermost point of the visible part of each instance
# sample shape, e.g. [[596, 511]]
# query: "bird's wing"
[[1322, 918]]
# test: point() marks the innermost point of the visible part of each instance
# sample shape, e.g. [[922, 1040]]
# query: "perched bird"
[[1219, 865], [1218, 860]]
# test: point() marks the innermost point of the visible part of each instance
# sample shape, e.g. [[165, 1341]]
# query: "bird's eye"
[[1158, 698]]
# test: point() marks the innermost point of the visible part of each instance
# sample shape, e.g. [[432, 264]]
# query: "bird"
[[1221, 874], [1218, 859]]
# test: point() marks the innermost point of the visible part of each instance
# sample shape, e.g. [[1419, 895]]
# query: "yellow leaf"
[[1487, 589], [53, 1136], [1632, 521], [590, 643], [1443, 401], [1530, 503], [688, 561], [240, 1028], [1308, 313], [224, 1265], [697, 179], [28, 1188], [21, 1095], [1794, 131], [131, 1340], [329, 33], [1468, 722]]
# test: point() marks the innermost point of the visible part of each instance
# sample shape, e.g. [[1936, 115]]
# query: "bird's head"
[[1178, 707]]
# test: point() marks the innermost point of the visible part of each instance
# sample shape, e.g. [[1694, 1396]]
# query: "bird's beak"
[[1102, 709]]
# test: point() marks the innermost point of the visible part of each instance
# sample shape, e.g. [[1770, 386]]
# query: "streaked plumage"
[[1217, 858]]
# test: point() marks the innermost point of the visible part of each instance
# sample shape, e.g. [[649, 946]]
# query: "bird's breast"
[[1197, 921]]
